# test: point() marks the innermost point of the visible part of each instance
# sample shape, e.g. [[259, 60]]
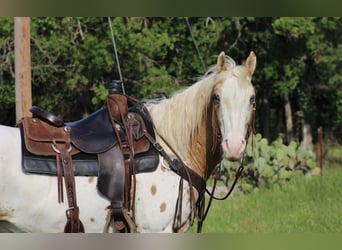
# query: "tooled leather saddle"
[[110, 143]]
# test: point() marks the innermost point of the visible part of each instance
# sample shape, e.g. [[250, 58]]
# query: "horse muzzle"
[[233, 148]]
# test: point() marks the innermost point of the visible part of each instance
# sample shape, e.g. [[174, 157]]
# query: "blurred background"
[[298, 82]]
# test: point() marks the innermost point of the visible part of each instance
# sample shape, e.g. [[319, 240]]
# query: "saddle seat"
[[93, 134]]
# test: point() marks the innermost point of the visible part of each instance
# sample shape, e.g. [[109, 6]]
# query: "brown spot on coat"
[[92, 219], [163, 207], [6, 214], [153, 189], [90, 180]]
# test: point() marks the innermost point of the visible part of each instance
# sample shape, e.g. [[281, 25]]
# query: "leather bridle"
[[198, 209], [250, 130]]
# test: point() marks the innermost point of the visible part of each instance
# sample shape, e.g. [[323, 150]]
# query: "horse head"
[[233, 99]]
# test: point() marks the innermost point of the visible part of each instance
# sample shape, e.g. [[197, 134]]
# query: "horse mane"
[[179, 118]]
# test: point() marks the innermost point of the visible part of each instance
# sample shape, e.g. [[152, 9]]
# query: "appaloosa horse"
[[198, 126]]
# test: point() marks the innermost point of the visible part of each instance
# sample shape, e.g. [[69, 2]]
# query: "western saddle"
[[113, 143]]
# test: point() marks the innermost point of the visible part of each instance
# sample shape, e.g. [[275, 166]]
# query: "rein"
[[213, 197], [238, 174]]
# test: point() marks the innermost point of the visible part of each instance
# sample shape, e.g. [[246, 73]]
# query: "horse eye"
[[252, 100], [216, 99]]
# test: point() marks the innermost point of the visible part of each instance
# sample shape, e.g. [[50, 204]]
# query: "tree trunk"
[[288, 118], [307, 137], [264, 115], [303, 129]]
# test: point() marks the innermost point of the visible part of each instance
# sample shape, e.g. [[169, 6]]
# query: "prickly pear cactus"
[[267, 164]]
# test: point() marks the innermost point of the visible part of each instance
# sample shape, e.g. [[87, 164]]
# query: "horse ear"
[[222, 64], [251, 63]]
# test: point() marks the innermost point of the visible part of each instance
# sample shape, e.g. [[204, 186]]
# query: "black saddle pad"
[[84, 164]]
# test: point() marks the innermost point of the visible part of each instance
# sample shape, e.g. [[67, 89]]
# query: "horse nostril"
[[243, 143]]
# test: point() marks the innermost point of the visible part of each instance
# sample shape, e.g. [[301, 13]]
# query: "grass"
[[304, 205]]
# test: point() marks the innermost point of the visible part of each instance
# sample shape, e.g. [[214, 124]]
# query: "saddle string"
[[59, 167], [74, 224], [131, 171], [59, 179], [65, 167]]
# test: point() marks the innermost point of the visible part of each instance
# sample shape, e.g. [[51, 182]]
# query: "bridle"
[[250, 130], [198, 209]]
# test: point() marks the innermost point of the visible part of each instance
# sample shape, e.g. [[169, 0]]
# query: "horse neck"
[[182, 122], [204, 150]]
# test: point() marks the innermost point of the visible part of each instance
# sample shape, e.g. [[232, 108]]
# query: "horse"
[[200, 125]]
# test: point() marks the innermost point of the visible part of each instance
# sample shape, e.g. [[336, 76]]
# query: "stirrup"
[[126, 224]]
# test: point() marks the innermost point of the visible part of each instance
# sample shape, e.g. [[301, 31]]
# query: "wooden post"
[[23, 93], [320, 148]]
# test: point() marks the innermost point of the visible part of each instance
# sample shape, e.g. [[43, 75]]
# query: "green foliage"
[[7, 92], [73, 59], [267, 164], [68, 58]]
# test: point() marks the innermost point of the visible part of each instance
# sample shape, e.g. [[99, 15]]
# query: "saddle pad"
[[48, 166], [84, 165]]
